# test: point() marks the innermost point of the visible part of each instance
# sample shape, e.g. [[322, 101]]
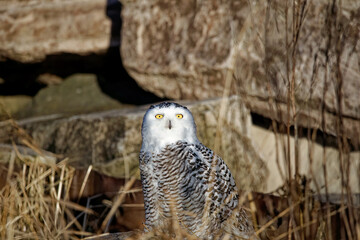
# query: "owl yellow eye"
[[179, 116], [159, 116]]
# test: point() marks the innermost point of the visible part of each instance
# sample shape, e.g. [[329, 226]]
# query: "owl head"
[[167, 123]]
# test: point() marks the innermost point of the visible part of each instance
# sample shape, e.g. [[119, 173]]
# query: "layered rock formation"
[[305, 56]]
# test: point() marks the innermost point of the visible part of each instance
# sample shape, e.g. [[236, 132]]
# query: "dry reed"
[[34, 203]]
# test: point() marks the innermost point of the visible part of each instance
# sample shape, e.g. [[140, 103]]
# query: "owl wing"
[[222, 189], [151, 209], [218, 178]]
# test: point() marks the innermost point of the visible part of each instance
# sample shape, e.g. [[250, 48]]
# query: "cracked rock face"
[[182, 50]]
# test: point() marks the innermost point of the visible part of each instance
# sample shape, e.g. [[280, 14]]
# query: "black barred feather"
[[190, 181]]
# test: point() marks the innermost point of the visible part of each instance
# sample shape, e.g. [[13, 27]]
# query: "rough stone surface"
[[10, 153], [311, 155], [170, 46], [12, 105], [31, 30], [182, 50], [79, 93], [111, 141]]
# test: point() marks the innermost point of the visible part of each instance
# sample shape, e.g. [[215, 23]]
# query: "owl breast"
[[179, 182]]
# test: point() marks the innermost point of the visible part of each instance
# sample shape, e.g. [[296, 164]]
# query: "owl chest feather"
[[177, 178], [180, 180]]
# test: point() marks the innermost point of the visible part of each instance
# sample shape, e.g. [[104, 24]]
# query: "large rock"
[[111, 141], [258, 158], [79, 93], [182, 50], [312, 156], [31, 30], [12, 105]]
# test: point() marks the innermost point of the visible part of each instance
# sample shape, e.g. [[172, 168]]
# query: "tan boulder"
[[182, 50], [312, 156], [78, 93], [31, 30]]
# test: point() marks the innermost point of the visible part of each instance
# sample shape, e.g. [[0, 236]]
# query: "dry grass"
[[34, 203], [34, 195]]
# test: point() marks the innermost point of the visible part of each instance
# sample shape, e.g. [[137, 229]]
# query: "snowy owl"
[[184, 180]]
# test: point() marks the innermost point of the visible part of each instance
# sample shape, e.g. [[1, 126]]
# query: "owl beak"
[[169, 124]]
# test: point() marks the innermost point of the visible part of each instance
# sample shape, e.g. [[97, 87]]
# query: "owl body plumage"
[[185, 180]]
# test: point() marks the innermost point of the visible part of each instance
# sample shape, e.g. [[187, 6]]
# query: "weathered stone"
[[321, 72], [49, 79], [10, 153], [111, 141], [31, 30], [12, 105], [182, 50], [76, 94], [273, 148]]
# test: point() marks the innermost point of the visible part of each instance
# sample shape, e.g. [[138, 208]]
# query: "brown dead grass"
[[34, 203]]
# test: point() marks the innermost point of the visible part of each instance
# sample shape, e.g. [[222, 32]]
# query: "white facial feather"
[[157, 133]]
